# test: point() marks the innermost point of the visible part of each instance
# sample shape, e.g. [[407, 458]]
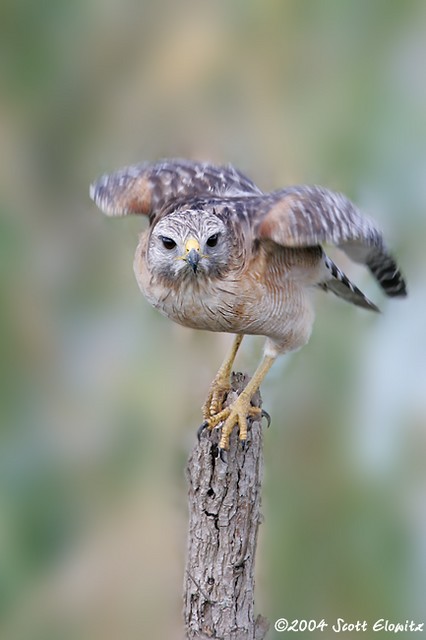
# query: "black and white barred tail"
[[384, 269], [341, 286]]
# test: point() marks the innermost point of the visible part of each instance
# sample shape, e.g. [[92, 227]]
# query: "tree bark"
[[224, 516]]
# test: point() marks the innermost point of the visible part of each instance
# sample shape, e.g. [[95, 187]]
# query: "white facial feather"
[[179, 226]]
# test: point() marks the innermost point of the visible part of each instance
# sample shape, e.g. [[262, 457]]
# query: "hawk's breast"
[[269, 299]]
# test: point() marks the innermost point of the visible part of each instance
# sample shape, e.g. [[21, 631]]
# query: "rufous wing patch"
[[119, 194], [280, 222]]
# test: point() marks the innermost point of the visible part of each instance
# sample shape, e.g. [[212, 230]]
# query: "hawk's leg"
[[221, 384], [241, 408]]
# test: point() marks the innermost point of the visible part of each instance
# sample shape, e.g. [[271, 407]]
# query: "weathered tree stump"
[[224, 516]]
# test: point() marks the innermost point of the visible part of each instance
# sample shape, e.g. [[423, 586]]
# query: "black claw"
[[201, 429], [243, 444], [223, 455], [265, 414]]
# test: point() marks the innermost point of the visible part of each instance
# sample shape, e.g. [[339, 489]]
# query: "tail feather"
[[385, 270], [342, 287]]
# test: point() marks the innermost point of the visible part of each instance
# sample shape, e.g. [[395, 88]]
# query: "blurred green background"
[[101, 396]]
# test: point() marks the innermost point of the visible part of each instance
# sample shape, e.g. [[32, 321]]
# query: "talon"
[[201, 428], [243, 444], [223, 455], [265, 414]]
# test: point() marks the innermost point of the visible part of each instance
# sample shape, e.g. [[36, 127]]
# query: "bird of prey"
[[221, 255]]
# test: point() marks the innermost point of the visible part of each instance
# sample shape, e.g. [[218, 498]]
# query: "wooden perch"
[[224, 516]]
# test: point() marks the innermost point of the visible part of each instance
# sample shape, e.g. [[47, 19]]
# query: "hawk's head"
[[189, 244]]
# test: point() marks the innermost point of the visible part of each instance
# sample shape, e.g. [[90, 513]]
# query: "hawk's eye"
[[212, 241], [168, 243]]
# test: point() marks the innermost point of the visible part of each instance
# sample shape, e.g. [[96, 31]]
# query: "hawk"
[[221, 255]]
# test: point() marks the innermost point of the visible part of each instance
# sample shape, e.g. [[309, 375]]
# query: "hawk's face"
[[189, 244]]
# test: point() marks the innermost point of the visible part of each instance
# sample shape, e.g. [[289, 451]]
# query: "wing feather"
[[147, 188], [303, 216]]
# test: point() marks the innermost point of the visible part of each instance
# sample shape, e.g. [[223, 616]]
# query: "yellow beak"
[[192, 253], [191, 244]]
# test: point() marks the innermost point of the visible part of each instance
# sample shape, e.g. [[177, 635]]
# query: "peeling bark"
[[224, 516]]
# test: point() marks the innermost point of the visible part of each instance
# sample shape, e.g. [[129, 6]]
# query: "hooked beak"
[[192, 253]]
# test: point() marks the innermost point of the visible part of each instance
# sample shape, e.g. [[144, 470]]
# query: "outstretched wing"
[[147, 188], [302, 216]]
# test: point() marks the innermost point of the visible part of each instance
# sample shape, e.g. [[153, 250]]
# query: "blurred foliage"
[[101, 395]]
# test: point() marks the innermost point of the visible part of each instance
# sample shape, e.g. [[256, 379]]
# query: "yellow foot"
[[221, 384], [219, 389], [237, 413]]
